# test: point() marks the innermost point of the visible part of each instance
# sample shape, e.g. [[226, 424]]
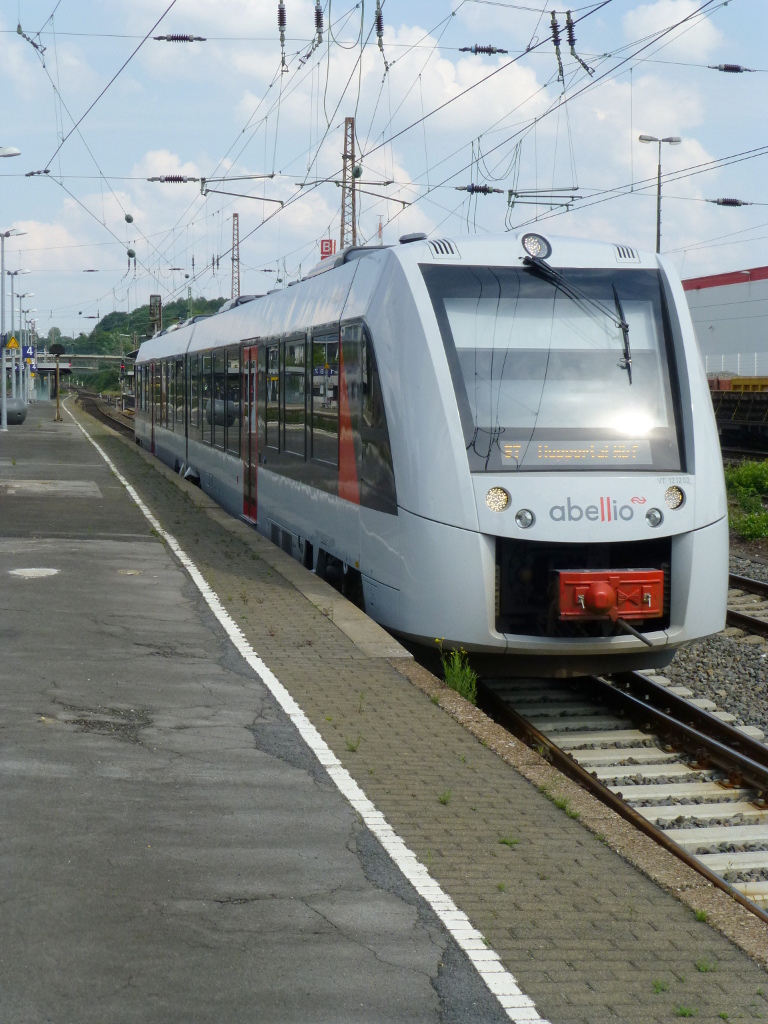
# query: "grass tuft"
[[747, 486], [352, 744], [445, 797], [458, 673], [660, 986], [705, 967]]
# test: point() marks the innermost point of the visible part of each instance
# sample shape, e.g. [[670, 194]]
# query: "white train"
[[517, 459]]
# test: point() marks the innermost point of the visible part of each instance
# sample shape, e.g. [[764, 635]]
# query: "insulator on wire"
[[556, 43], [733, 69], [179, 38], [217, 262], [569, 25], [380, 33], [193, 264], [173, 179], [282, 24], [481, 49], [730, 202], [483, 190], [318, 22]]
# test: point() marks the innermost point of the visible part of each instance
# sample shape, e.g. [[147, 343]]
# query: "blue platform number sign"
[[29, 352]]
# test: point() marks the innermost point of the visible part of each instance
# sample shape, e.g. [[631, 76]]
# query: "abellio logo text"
[[607, 511]]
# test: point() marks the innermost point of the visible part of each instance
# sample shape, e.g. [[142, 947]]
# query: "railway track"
[[740, 454], [88, 400], [674, 767], [747, 604]]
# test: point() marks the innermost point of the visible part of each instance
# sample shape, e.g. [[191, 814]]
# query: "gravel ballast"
[[729, 670]]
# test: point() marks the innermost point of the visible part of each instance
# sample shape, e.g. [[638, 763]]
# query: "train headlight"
[[524, 518], [654, 517], [674, 497], [497, 499], [535, 245]]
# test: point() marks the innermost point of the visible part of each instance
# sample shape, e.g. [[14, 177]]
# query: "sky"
[[98, 106]]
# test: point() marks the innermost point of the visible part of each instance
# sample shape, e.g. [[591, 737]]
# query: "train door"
[[250, 386], [152, 400]]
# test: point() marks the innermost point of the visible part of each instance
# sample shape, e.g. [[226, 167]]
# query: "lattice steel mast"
[[235, 256], [348, 233]]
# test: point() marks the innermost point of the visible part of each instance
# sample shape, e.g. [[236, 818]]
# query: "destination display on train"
[[568, 453]]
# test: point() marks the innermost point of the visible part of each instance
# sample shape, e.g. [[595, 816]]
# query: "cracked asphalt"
[[170, 849]]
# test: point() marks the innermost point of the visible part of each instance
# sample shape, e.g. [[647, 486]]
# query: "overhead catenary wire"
[[109, 83], [434, 185]]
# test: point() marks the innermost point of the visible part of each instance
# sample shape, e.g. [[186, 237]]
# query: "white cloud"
[[695, 40]]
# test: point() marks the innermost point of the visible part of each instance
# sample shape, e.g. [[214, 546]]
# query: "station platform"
[[229, 796]]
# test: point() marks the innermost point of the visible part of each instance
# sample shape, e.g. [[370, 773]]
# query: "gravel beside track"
[[731, 671]]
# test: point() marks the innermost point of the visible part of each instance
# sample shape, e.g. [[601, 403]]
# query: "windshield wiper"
[[626, 359], [583, 300]]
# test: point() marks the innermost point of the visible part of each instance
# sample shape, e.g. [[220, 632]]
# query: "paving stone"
[[408, 746]]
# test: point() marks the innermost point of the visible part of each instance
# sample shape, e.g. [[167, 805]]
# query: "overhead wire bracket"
[[37, 46]]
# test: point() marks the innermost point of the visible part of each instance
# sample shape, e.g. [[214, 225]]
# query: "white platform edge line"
[[500, 982]]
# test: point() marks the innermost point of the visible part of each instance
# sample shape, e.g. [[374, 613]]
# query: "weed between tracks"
[[747, 486], [458, 673]]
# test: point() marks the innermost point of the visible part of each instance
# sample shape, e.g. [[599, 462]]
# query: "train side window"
[[170, 391], [193, 396], [219, 397], [179, 391], [378, 477], [294, 396], [234, 401], [163, 392], [158, 393], [325, 399], [261, 405], [272, 390], [205, 392]]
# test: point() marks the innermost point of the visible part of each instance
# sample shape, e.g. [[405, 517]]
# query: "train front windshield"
[[541, 377]]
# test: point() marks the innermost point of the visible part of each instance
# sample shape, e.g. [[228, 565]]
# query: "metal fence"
[[743, 364]]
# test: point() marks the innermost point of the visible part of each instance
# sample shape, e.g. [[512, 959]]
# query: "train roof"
[[321, 295]]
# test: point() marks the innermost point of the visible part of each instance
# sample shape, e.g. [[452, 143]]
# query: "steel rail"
[[506, 716], [745, 583], [740, 619], [656, 696]]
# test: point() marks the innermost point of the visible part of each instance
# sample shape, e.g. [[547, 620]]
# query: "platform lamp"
[[10, 233], [24, 331], [673, 140], [22, 365], [12, 274]]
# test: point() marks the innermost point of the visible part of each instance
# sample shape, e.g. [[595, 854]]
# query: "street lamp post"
[[11, 232], [23, 372], [24, 331], [12, 274], [4, 151], [673, 140]]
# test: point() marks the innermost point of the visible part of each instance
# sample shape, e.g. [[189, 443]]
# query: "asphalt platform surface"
[[171, 850]]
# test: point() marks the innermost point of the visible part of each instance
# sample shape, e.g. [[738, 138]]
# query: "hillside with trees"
[[122, 332]]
